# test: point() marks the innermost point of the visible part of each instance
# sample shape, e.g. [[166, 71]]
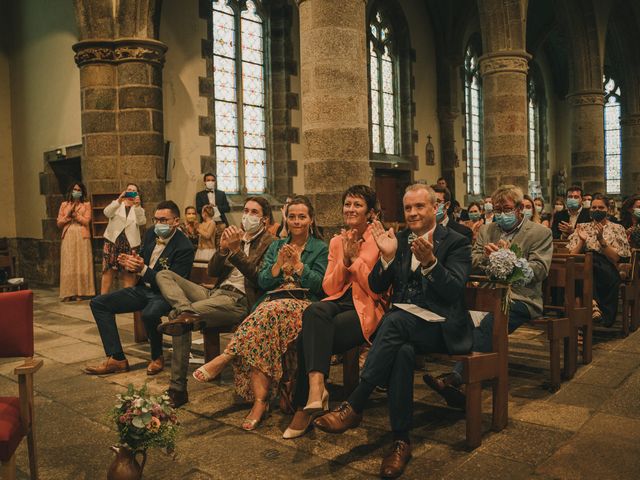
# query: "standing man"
[[428, 266], [212, 196], [164, 248], [565, 221]]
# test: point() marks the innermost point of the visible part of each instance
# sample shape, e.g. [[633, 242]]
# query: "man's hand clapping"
[[385, 239]]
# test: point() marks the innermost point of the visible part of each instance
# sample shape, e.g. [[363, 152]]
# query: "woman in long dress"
[[76, 260]]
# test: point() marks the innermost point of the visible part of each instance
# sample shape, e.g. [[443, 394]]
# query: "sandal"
[[250, 424], [205, 375]]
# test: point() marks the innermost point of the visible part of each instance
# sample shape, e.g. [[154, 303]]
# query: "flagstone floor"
[[589, 429]]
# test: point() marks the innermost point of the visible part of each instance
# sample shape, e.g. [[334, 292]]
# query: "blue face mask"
[[573, 203], [527, 213], [162, 230], [76, 195], [474, 217], [488, 207], [440, 212], [506, 221], [636, 212]]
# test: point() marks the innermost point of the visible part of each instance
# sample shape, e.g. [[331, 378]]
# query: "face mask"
[[598, 215], [474, 217], [440, 212], [636, 212], [488, 207], [527, 213], [251, 223], [162, 230], [559, 208], [586, 204], [539, 208], [210, 185], [573, 203], [191, 217], [506, 221], [76, 195]]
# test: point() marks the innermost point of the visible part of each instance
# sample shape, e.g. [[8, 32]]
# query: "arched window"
[[473, 121], [383, 87], [533, 115], [239, 96], [612, 136]]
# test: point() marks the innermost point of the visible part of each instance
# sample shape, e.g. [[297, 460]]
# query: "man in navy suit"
[[164, 248], [212, 196], [428, 266]]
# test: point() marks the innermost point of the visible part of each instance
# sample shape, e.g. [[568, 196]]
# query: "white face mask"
[[539, 208], [559, 208], [586, 204], [210, 185], [250, 223]]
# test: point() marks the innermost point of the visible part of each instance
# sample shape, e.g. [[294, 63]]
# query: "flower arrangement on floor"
[[508, 265]]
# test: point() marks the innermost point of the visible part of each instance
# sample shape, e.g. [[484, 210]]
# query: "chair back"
[[16, 324], [488, 298], [561, 275]]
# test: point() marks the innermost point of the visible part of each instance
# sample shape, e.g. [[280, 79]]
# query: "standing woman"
[[347, 317], [545, 218], [206, 235], [76, 261], [122, 235], [262, 339]]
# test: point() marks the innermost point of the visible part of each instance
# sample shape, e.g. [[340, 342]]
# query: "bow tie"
[[412, 238]]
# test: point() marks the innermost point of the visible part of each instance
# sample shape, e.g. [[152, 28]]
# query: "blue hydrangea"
[[501, 264], [527, 272]]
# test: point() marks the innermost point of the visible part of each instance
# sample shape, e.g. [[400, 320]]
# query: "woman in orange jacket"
[[347, 317]]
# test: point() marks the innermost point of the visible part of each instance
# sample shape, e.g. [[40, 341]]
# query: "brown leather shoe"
[[183, 323], [110, 365], [446, 386], [394, 463], [177, 398], [339, 420], [155, 366]]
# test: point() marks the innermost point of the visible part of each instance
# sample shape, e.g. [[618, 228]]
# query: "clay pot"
[[125, 466]]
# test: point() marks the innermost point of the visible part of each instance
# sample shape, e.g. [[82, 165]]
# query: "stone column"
[[122, 134], [587, 140], [447, 118], [504, 90], [335, 118], [630, 154]]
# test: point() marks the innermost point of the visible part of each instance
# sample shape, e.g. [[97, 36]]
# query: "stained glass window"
[[612, 136], [473, 121], [533, 115], [239, 96], [382, 88]]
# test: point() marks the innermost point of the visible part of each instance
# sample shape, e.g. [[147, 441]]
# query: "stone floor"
[[589, 429]]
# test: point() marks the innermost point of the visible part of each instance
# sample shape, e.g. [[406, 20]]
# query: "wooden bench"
[[630, 292]]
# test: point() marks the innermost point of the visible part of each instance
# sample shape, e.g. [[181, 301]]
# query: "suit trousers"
[[327, 328], [127, 300], [391, 360]]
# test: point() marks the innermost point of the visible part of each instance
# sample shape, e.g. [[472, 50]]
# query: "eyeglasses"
[[497, 210], [162, 220]]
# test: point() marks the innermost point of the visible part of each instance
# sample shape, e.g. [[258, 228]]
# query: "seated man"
[[427, 265], [235, 265], [536, 244], [442, 214], [565, 221], [165, 248]]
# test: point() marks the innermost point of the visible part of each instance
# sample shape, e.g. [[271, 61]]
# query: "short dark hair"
[[82, 187], [169, 205], [367, 193], [444, 190], [302, 200], [600, 196], [575, 188], [209, 174], [441, 178], [190, 207], [264, 204]]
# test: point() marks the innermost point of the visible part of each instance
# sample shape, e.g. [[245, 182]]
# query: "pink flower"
[[154, 424]]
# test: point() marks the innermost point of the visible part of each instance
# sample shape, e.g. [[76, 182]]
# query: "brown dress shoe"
[[110, 365], [339, 420], [177, 398], [393, 464], [183, 323], [155, 366], [446, 386]]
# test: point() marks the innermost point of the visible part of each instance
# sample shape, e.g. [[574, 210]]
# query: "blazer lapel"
[[438, 236], [405, 262]]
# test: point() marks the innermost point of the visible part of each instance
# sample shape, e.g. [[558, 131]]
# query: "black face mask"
[[598, 215]]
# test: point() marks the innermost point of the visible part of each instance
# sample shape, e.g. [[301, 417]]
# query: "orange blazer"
[[83, 217], [338, 279]]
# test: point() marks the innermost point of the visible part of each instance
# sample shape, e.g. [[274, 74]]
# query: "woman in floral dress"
[[259, 344]]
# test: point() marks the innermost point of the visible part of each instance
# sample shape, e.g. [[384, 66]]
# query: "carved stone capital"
[[121, 50], [516, 61], [586, 97]]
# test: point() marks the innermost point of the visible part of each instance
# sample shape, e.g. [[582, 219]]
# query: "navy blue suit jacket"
[[443, 289], [222, 203], [177, 256]]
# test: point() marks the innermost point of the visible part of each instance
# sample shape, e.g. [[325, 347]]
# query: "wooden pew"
[[630, 292]]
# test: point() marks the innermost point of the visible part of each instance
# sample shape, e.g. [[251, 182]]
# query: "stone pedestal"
[[121, 89], [630, 154], [505, 149], [335, 118], [587, 140]]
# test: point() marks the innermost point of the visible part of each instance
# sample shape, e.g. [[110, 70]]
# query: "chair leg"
[[211, 337], [350, 370], [635, 312], [139, 332], [33, 456], [587, 342], [570, 360], [474, 414], [626, 310], [554, 364], [8, 469]]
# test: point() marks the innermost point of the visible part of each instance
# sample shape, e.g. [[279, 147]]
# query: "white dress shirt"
[[414, 261]]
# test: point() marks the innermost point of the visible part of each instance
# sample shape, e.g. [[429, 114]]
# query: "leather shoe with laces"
[[183, 323], [394, 463], [446, 386], [155, 366], [177, 398], [110, 365], [339, 420]]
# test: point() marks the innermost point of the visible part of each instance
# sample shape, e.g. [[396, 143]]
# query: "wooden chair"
[[17, 413], [630, 293]]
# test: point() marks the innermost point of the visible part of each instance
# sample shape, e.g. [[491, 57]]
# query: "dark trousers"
[[606, 283], [392, 357], [327, 328], [127, 300]]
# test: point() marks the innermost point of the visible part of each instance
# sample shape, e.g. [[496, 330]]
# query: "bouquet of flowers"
[[508, 265], [145, 420]]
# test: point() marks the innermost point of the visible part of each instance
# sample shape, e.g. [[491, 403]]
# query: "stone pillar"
[[335, 106], [504, 90], [121, 101], [447, 118], [587, 140], [630, 154]]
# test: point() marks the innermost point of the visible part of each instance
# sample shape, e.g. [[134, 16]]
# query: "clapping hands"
[[385, 239], [351, 242]]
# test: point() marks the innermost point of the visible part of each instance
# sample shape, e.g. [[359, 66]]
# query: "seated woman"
[[347, 317], [190, 225], [608, 242], [206, 235], [630, 220], [258, 345], [545, 218], [475, 219]]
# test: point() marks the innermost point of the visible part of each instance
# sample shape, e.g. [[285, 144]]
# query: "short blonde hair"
[[431, 194], [508, 192]]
